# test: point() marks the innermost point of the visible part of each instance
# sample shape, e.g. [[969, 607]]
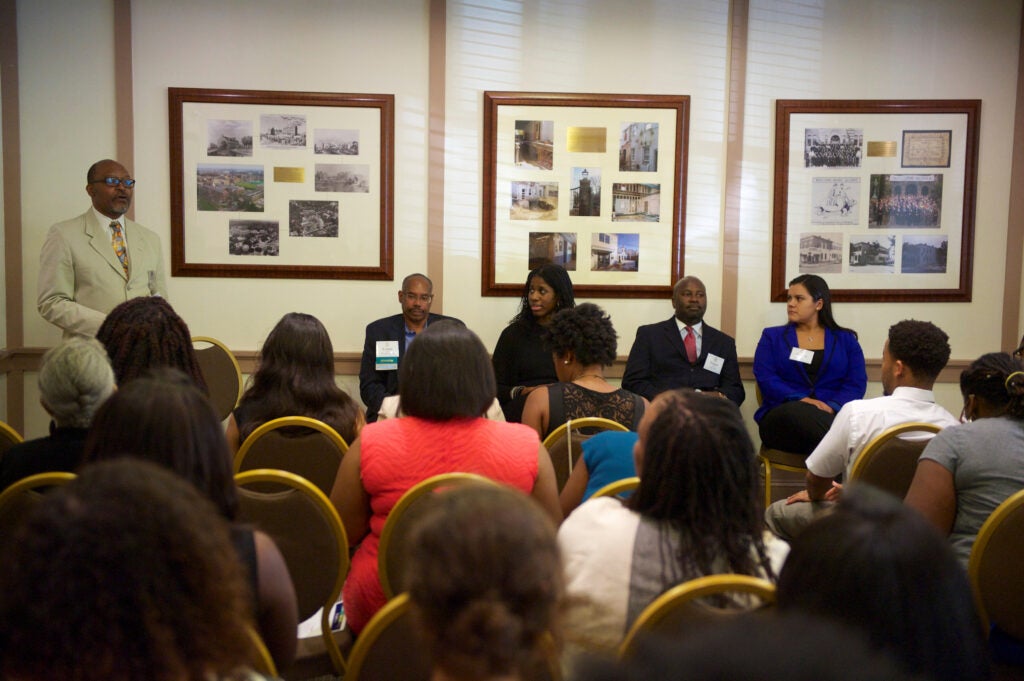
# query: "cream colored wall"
[[823, 49]]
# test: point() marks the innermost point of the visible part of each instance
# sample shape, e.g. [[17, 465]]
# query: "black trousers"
[[795, 427]]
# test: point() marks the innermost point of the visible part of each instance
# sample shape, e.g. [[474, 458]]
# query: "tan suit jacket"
[[81, 279]]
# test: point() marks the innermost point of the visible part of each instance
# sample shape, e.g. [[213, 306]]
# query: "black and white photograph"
[[872, 254], [906, 201], [253, 237], [821, 253], [534, 201], [346, 178], [283, 131], [553, 248], [228, 138], [638, 147], [586, 192], [336, 142], [535, 144], [835, 200], [636, 202], [924, 254], [229, 188], [833, 147], [614, 252], [313, 218]]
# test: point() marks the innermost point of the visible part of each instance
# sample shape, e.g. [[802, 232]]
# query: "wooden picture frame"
[[878, 222], [278, 184], [620, 230]]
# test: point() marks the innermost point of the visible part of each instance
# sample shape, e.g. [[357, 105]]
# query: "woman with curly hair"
[[486, 596], [695, 513], [144, 333], [966, 471], [582, 341], [124, 574], [521, 362], [295, 377]]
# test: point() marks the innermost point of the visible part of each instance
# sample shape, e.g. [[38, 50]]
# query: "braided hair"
[[998, 379]]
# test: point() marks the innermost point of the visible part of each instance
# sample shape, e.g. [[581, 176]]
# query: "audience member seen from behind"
[[125, 573], [74, 379], [162, 417], [966, 471], [443, 431], [878, 566], [146, 333], [607, 457], [695, 513], [486, 595], [295, 377], [521, 360], [806, 370], [582, 343]]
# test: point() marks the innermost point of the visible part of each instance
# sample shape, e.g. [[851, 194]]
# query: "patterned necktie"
[[119, 248], [690, 343]]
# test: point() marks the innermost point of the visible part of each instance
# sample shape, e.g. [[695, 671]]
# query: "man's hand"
[[799, 497], [834, 493]]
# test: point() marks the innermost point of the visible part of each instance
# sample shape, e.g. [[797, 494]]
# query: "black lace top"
[[570, 401]]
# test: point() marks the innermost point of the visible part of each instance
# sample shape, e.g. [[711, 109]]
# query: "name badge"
[[714, 364], [801, 355], [387, 356]]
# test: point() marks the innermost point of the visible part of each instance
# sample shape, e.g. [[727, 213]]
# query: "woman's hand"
[[819, 404]]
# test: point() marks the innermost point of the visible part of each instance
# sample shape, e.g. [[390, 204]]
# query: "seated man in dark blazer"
[[388, 338], [684, 352]]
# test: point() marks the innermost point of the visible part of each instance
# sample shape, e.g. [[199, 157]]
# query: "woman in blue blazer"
[[806, 370]]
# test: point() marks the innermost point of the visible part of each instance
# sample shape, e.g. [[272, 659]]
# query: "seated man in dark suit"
[[74, 380], [388, 338], [684, 352]]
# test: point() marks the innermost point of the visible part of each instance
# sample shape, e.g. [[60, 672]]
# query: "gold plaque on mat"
[[289, 174], [586, 139], [881, 148]]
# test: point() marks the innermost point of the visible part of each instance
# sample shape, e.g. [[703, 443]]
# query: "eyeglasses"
[[423, 298], [115, 181]]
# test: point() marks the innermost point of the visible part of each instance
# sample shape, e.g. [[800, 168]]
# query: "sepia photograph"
[[535, 144], [638, 147], [926, 148], [228, 138], [924, 254], [534, 201], [253, 237], [229, 188], [870, 254], [313, 218], [283, 131], [834, 200], [337, 142], [636, 202], [833, 147], [615, 252], [905, 201], [336, 177], [821, 253], [553, 248], [586, 192]]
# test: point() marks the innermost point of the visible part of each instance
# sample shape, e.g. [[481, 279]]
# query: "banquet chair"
[[18, 500], [298, 444], [307, 530], [889, 461], [682, 608], [777, 459], [262, 661], [994, 568], [8, 438], [221, 372], [565, 443], [410, 507], [614, 489]]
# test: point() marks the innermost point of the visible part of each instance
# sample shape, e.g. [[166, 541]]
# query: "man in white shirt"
[[912, 358]]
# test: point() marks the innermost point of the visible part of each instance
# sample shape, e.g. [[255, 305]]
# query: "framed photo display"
[[592, 182], [281, 184], [877, 197]]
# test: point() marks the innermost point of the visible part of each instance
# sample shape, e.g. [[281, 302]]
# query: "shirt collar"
[[697, 328], [909, 393]]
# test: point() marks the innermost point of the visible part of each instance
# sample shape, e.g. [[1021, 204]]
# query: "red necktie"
[[690, 343]]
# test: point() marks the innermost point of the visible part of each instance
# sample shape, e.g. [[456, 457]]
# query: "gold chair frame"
[[871, 451], [981, 569], [287, 422], [614, 489], [564, 431], [223, 410]]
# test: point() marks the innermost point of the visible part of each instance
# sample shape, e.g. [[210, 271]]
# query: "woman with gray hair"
[[74, 380]]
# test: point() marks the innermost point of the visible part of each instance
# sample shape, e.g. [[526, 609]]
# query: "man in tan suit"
[[94, 262]]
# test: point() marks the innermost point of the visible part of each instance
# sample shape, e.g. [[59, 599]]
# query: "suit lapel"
[[675, 339], [99, 239]]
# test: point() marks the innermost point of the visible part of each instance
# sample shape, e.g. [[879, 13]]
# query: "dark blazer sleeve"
[[373, 384], [729, 382], [637, 376]]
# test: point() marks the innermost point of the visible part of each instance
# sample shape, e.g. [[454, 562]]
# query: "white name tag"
[[714, 364], [387, 355], [801, 355]]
